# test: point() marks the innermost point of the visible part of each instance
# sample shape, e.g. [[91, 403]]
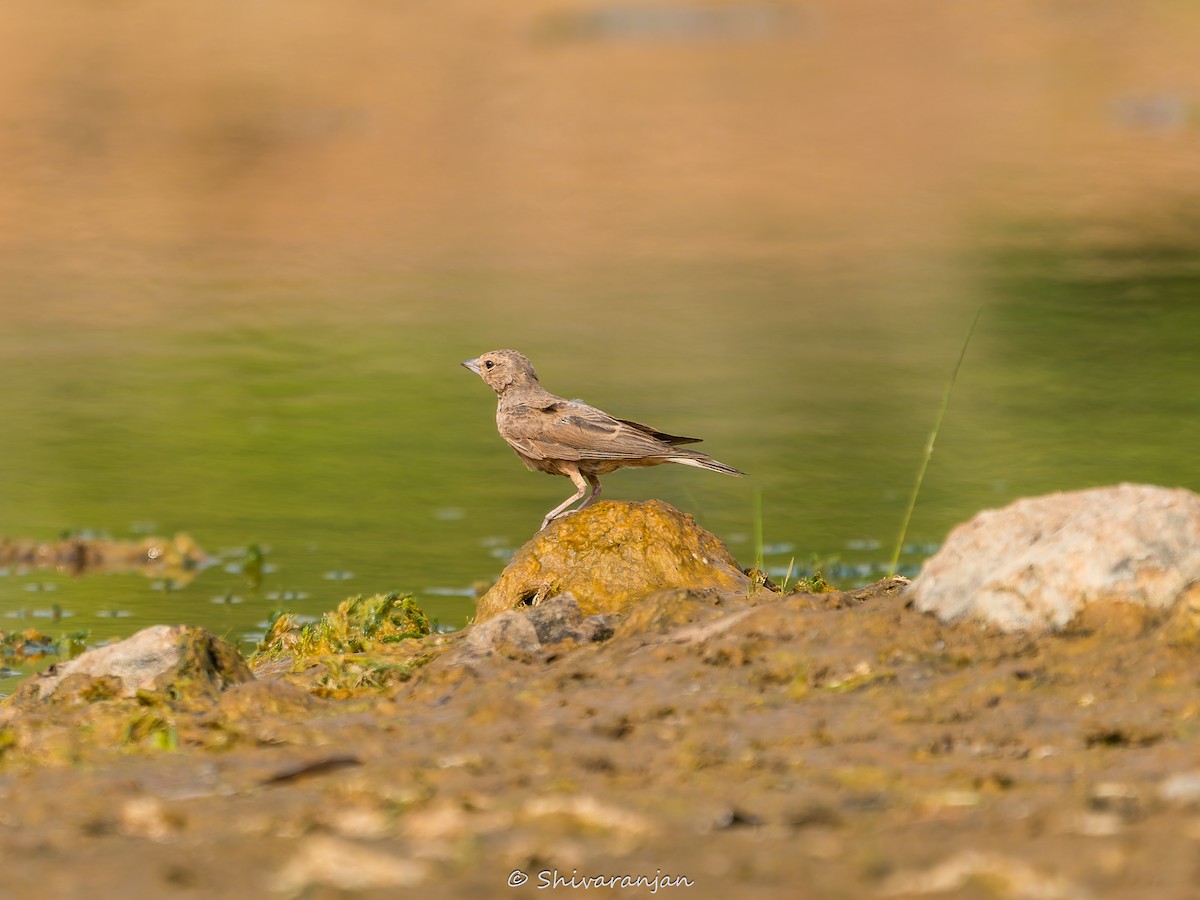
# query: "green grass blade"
[[757, 581], [758, 529], [937, 425]]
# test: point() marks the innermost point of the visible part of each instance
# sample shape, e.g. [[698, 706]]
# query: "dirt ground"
[[830, 745]]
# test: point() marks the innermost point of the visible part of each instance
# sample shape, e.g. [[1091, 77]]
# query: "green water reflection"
[[346, 443]]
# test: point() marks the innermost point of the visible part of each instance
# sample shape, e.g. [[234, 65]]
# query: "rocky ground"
[[712, 742]]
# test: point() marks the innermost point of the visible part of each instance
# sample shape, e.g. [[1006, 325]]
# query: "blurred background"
[[243, 247]]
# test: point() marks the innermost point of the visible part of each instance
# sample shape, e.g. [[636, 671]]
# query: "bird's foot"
[[562, 515]]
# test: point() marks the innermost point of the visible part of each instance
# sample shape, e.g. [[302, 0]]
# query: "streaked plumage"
[[567, 437]]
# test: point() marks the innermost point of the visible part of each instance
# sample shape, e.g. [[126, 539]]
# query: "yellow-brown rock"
[[610, 555]]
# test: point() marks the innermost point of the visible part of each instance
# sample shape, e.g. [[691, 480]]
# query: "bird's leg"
[[577, 478], [594, 481]]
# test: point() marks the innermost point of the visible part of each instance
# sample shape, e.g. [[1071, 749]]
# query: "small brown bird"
[[567, 437]]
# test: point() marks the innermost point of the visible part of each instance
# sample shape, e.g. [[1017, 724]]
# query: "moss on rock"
[[612, 554]]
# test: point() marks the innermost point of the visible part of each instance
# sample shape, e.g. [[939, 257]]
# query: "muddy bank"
[[755, 743], [178, 558]]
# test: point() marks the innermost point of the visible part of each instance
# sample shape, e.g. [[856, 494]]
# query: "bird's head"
[[503, 369]]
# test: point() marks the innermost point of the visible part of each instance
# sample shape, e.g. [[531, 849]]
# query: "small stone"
[[1116, 797], [520, 633], [599, 627], [346, 866], [360, 822], [149, 817], [1097, 824], [1183, 789], [733, 817], [511, 634], [556, 619], [186, 660]]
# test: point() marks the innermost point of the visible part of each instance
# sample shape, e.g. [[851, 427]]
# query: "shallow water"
[[361, 458]]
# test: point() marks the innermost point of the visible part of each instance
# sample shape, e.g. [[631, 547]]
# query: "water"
[[235, 287], [361, 458]]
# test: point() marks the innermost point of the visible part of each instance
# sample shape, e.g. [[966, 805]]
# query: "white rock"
[[152, 660], [1036, 563]]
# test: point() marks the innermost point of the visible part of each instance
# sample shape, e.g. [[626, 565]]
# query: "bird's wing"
[[659, 435], [570, 430]]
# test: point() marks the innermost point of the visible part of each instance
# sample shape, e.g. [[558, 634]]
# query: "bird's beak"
[[472, 364]]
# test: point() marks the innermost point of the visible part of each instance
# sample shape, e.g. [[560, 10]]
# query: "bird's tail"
[[703, 461]]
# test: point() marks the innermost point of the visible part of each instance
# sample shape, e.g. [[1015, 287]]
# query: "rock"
[[597, 628], [349, 866], [1035, 564], [610, 555], [178, 658], [557, 620], [1183, 789], [509, 634], [520, 633]]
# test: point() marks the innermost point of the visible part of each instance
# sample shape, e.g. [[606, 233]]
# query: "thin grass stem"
[[758, 529], [755, 583], [937, 426], [787, 578]]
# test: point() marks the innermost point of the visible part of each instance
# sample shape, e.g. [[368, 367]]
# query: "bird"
[[567, 437]]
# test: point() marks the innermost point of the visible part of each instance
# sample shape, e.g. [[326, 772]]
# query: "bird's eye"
[[487, 363]]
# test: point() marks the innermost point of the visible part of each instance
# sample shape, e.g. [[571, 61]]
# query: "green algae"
[[344, 676], [152, 728], [357, 625], [356, 648], [813, 584]]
